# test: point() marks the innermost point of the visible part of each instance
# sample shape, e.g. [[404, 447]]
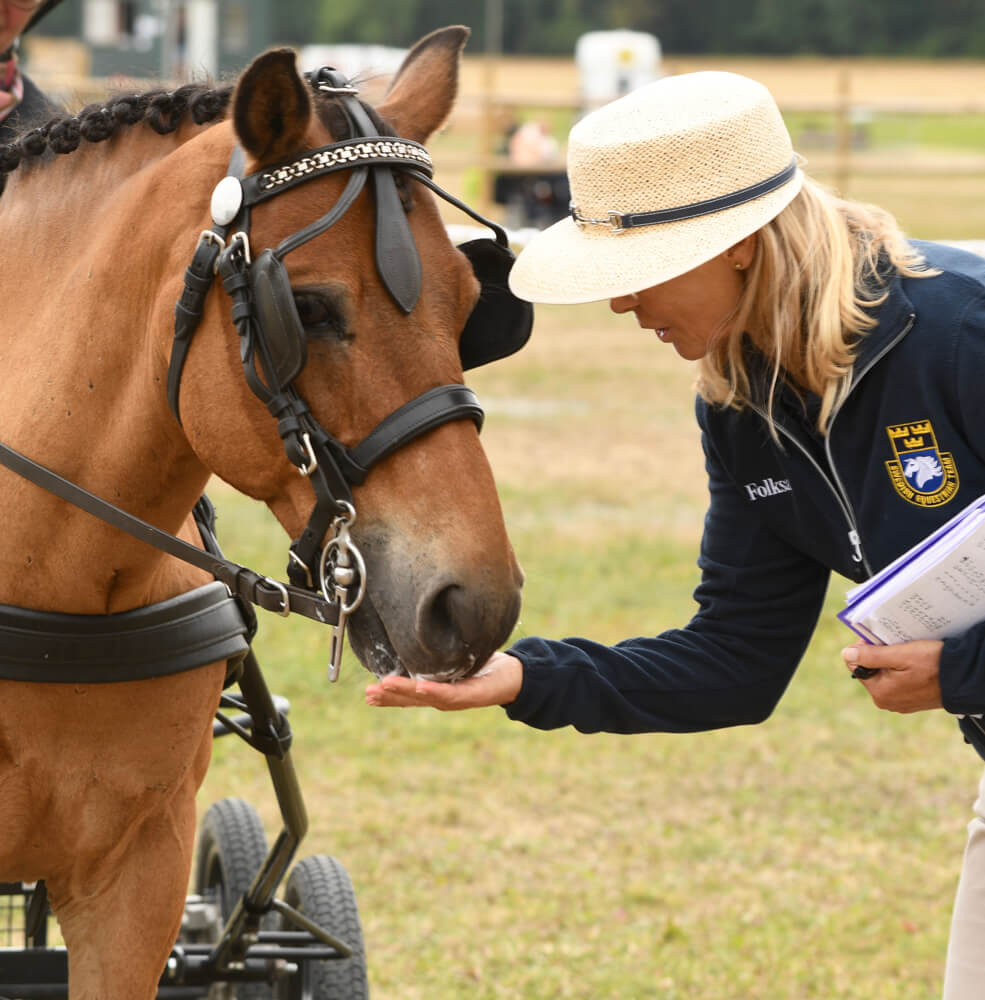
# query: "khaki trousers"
[[964, 977]]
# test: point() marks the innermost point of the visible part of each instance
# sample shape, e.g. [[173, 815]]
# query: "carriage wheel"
[[319, 887], [232, 847]]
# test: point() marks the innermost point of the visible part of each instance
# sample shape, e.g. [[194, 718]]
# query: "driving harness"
[[327, 582]]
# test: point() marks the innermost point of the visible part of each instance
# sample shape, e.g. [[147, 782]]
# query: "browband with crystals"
[[343, 155], [620, 221]]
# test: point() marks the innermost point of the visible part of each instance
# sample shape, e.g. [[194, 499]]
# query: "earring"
[[738, 267]]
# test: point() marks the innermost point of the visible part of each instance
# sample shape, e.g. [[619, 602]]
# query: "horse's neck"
[[94, 253]]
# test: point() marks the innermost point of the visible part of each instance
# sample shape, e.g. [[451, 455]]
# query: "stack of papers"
[[936, 590]]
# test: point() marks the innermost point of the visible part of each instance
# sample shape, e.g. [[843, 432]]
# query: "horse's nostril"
[[459, 627], [447, 622]]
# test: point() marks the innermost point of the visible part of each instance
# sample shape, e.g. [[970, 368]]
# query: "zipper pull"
[[853, 537]]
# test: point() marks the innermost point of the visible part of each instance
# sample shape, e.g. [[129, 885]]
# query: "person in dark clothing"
[[21, 102], [829, 347]]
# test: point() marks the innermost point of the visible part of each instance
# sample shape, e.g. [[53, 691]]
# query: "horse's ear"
[[272, 107], [423, 92]]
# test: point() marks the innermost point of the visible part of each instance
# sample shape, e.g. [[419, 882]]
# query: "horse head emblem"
[[922, 469]]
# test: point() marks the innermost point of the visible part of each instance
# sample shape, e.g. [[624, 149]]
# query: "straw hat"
[[662, 180]]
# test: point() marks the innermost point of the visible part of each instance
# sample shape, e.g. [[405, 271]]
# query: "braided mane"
[[163, 110]]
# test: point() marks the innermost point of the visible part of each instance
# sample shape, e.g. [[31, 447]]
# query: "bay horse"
[[98, 778]]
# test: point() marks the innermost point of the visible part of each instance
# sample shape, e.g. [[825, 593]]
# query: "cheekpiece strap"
[[188, 312]]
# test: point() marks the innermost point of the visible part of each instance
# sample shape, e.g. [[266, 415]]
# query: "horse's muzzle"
[[448, 636]]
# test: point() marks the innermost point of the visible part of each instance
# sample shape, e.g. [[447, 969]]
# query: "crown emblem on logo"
[[913, 442], [912, 431]]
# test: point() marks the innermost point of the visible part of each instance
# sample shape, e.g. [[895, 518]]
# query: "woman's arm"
[[759, 599]]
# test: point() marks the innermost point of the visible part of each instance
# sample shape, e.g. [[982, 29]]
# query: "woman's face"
[[13, 18], [693, 310]]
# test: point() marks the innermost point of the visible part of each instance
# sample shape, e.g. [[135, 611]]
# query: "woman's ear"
[[740, 255]]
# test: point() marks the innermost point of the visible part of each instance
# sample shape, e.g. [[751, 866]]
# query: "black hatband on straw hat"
[[621, 221]]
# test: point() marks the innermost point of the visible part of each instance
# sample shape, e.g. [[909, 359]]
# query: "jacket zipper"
[[834, 480], [837, 491]]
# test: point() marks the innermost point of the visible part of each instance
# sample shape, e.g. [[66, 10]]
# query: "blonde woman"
[[831, 351]]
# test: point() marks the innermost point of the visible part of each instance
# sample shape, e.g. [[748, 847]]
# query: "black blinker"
[[278, 321], [500, 323]]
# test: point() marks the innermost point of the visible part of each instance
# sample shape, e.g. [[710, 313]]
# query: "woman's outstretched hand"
[[497, 683]]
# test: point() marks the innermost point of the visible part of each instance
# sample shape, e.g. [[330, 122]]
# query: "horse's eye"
[[320, 316]]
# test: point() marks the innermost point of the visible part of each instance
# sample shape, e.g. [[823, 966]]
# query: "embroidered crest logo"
[[921, 473]]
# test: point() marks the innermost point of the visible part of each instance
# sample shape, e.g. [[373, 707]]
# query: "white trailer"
[[612, 63]]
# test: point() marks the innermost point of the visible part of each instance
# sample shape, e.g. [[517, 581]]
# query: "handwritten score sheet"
[[933, 591]]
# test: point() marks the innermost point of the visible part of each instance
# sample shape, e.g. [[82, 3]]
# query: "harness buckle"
[[285, 601], [347, 91], [297, 561], [242, 238], [211, 236], [312, 463]]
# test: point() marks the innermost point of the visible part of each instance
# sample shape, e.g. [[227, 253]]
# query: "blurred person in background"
[[827, 344], [21, 103], [532, 145]]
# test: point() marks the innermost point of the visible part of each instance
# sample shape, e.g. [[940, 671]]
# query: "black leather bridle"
[[272, 344]]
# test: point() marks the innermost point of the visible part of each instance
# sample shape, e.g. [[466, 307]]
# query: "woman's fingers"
[[497, 683]]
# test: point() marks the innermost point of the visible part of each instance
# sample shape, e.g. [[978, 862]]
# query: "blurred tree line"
[[945, 28]]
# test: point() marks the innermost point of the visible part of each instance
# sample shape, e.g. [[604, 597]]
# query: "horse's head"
[[352, 303]]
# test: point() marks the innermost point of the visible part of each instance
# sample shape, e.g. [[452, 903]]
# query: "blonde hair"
[[819, 267]]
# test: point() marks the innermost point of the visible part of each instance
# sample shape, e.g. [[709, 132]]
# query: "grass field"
[[813, 856]]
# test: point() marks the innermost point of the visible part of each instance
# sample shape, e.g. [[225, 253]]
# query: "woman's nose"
[[623, 303]]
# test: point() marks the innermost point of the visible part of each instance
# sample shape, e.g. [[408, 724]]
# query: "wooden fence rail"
[[838, 162], [484, 110]]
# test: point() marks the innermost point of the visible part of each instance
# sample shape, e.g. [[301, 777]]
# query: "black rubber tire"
[[232, 846], [320, 888]]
